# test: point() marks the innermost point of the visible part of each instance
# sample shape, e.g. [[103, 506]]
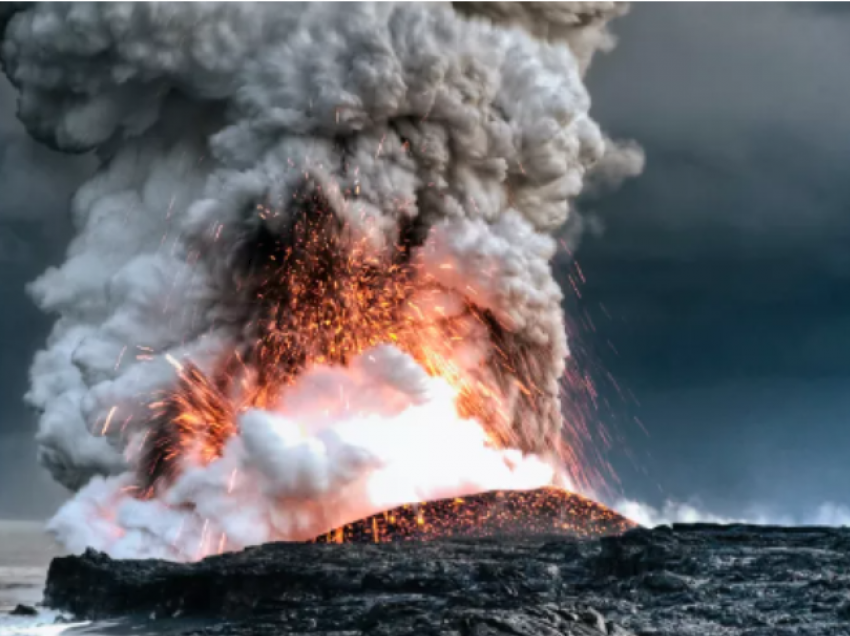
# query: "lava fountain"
[[312, 280]]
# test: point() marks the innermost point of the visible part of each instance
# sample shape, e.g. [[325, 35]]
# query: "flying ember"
[[320, 296]]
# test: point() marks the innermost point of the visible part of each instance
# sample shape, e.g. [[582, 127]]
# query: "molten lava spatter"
[[320, 294], [500, 513]]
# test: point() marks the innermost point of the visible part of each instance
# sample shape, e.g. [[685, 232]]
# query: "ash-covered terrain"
[[701, 579]]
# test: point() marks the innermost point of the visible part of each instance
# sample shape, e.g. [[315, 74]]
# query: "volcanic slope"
[[498, 513], [687, 580]]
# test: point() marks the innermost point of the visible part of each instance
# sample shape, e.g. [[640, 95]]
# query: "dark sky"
[[723, 267], [726, 264], [35, 187]]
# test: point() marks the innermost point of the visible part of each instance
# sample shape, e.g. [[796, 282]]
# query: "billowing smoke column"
[[312, 278]]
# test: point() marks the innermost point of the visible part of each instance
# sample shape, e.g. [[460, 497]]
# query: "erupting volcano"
[[319, 298], [312, 281]]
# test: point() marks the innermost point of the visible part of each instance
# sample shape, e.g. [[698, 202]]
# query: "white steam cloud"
[[470, 127], [354, 441], [827, 514]]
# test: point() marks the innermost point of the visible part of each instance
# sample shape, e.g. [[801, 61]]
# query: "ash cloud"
[[467, 127]]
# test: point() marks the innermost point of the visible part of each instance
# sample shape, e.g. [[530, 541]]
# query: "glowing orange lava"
[[320, 295], [540, 511]]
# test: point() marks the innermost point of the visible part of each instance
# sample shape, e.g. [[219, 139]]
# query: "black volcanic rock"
[[694, 580], [481, 587], [737, 580]]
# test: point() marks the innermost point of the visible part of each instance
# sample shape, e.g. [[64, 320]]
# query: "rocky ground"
[[701, 580]]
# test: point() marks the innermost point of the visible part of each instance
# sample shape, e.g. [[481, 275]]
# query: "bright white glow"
[[345, 444]]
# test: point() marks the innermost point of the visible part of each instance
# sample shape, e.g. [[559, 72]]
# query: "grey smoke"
[[583, 26], [474, 125]]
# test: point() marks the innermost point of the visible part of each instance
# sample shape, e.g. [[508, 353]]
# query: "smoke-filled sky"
[[722, 266]]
